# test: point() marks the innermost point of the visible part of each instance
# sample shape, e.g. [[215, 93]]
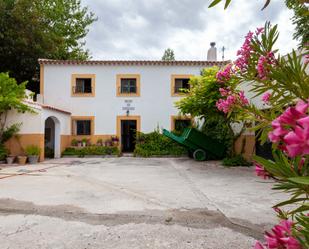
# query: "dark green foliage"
[[91, 150], [168, 55], [32, 29], [300, 20], [49, 153], [218, 129], [11, 96], [9, 132], [238, 160], [201, 102], [156, 144], [3, 152]]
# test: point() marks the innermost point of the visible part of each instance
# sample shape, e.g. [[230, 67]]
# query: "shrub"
[[91, 150], [156, 144], [32, 150], [3, 152], [49, 153], [74, 142], [238, 160]]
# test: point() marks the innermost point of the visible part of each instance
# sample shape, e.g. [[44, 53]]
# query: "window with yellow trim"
[[179, 123], [180, 84], [83, 85], [82, 126], [128, 85]]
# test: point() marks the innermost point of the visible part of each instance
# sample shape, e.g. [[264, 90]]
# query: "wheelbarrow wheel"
[[199, 155]]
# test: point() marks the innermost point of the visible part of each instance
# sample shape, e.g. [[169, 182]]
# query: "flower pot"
[[79, 144], [10, 159], [33, 159], [22, 159], [84, 144]]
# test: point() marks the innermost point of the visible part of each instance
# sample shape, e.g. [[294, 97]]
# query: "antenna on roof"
[[223, 49]]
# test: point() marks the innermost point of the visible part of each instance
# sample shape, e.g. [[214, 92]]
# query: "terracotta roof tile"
[[47, 107], [133, 62]]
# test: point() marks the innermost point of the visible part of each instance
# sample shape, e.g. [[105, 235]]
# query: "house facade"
[[103, 99]]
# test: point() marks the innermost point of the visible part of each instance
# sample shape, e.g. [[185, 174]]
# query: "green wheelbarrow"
[[199, 145]]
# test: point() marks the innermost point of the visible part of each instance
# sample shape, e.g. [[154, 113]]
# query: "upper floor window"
[[179, 84], [83, 85], [128, 85], [82, 126]]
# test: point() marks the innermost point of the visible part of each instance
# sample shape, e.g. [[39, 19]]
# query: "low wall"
[[245, 145], [18, 144]]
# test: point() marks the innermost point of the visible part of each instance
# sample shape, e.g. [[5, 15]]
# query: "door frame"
[[118, 126]]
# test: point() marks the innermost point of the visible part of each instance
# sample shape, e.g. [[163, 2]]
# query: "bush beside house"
[[91, 150], [156, 144]]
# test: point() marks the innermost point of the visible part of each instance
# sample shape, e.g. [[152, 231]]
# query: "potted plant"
[[33, 153], [21, 159], [99, 142], [10, 158], [84, 142], [79, 143], [108, 142], [74, 142], [115, 140]]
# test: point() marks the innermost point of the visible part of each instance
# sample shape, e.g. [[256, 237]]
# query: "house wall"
[[155, 105], [33, 127]]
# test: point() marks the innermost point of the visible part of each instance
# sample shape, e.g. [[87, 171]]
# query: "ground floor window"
[[179, 123], [82, 126]]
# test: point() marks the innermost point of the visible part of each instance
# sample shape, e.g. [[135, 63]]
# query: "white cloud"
[[137, 29]]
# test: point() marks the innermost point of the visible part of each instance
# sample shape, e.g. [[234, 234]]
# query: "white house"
[[101, 99]]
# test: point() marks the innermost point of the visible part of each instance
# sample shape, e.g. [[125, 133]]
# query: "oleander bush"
[[156, 144], [91, 150]]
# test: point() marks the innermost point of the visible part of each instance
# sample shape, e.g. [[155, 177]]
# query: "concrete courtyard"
[[125, 203]]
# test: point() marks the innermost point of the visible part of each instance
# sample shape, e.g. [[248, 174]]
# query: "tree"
[[201, 102], [32, 29], [300, 20], [168, 55], [11, 98]]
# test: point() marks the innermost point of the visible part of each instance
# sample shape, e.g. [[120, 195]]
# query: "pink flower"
[[260, 171], [225, 75], [264, 63], [259, 31], [291, 130], [244, 53], [297, 141], [224, 92], [258, 245], [280, 237], [243, 99], [266, 97]]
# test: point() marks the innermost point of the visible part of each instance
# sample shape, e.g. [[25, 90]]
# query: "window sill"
[[83, 95], [179, 94], [128, 95]]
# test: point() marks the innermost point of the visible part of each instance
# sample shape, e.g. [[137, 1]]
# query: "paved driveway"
[[133, 203]]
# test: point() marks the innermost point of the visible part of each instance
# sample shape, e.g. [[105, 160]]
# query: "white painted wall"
[[155, 105]]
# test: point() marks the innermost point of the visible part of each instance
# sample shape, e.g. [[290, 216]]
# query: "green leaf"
[[227, 3], [300, 180], [266, 4], [215, 2], [290, 202]]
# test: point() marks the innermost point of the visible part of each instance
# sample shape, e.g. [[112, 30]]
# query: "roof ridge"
[[132, 62]]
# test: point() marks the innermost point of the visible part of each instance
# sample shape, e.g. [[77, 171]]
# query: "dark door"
[[128, 133]]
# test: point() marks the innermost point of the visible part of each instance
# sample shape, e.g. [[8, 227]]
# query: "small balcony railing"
[[81, 89]]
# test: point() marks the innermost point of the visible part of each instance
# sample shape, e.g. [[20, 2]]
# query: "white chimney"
[[212, 52]]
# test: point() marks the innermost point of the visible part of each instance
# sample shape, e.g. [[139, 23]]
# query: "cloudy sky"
[[143, 29]]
